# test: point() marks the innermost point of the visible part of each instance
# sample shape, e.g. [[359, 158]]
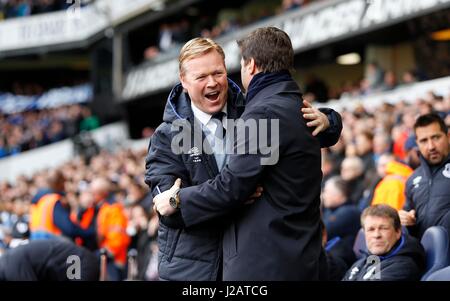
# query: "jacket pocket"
[[173, 245], [230, 242], [163, 237]]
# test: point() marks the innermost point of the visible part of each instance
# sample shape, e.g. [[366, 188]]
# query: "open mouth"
[[212, 96]]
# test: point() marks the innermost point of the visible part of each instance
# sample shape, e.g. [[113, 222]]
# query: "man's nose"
[[377, 233], [211, 81], [431, 145]]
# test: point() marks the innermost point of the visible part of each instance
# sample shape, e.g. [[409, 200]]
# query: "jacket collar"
[[178, 104]]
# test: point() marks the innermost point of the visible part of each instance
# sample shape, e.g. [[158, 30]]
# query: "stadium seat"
[[439, 275], [435, 242], [359, 247]]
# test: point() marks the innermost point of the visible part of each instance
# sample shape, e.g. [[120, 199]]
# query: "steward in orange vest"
[[50, 216]]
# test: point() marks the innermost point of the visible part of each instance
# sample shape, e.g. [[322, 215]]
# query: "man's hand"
[[318, 119], [162, 200], [407, 218], [254, 196]]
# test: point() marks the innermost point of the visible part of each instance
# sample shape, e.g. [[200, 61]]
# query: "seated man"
[[393, 255]]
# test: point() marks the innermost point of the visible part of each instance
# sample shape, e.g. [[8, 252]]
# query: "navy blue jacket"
[[195, 252], [405, 262], [278, 237], [429, 194], [342, 221], [48, 260]]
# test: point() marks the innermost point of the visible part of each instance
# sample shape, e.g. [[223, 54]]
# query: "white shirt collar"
[[203, 117]]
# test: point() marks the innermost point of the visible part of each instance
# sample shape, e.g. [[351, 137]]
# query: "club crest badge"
[[194, 153], [446, 171], [416, 181]]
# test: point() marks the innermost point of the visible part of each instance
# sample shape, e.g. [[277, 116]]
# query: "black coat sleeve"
[[330, 136], [162, 168], [231, 187]]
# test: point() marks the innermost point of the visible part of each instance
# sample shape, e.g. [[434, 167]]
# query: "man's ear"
[[252, 67], [183, 83]]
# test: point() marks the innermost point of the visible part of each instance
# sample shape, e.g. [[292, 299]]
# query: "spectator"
[[337, 254], [381, 144], [391, 189], [389, 82], [412, 157], [409, 77], [111, 225], [50, 213], [90, 122], [352, 171], [373, 78], [393, 255], [317, 87], [3, 149], [429, 182], [142, 235], [340, 217]]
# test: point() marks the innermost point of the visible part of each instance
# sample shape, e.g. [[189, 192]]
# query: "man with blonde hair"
[[206, 99]]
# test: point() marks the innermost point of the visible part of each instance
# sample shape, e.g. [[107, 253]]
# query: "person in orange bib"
[[50, 213], [110, 222]]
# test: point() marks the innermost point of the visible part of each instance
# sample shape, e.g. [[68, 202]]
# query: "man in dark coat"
[[428, 188], [195, 253], [278, 237], [393, 255], [49, 260]]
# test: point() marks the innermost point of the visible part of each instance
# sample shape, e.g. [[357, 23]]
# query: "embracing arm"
[[327, 121], [228, 190]]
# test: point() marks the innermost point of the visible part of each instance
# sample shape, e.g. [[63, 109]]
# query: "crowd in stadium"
[[107, 177], [375, 145], [173, 35], [23, 131], [22, 8]]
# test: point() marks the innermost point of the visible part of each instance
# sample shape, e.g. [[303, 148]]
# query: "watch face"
[[173, 202]]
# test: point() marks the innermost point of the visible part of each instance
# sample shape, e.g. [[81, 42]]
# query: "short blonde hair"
[[195, 48]]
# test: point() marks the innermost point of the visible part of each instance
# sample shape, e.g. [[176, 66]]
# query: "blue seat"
[[436, 245], [440, 275], [359, 246]]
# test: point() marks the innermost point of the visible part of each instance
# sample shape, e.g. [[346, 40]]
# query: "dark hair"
[[382, 210], [270, 47], [427, 119]]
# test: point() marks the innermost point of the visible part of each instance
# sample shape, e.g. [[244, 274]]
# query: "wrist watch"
[[174, 200]]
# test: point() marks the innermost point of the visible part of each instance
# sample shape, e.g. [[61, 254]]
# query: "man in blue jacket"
[[393, 255], [428, 188], [194, 253], [278, 237]]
